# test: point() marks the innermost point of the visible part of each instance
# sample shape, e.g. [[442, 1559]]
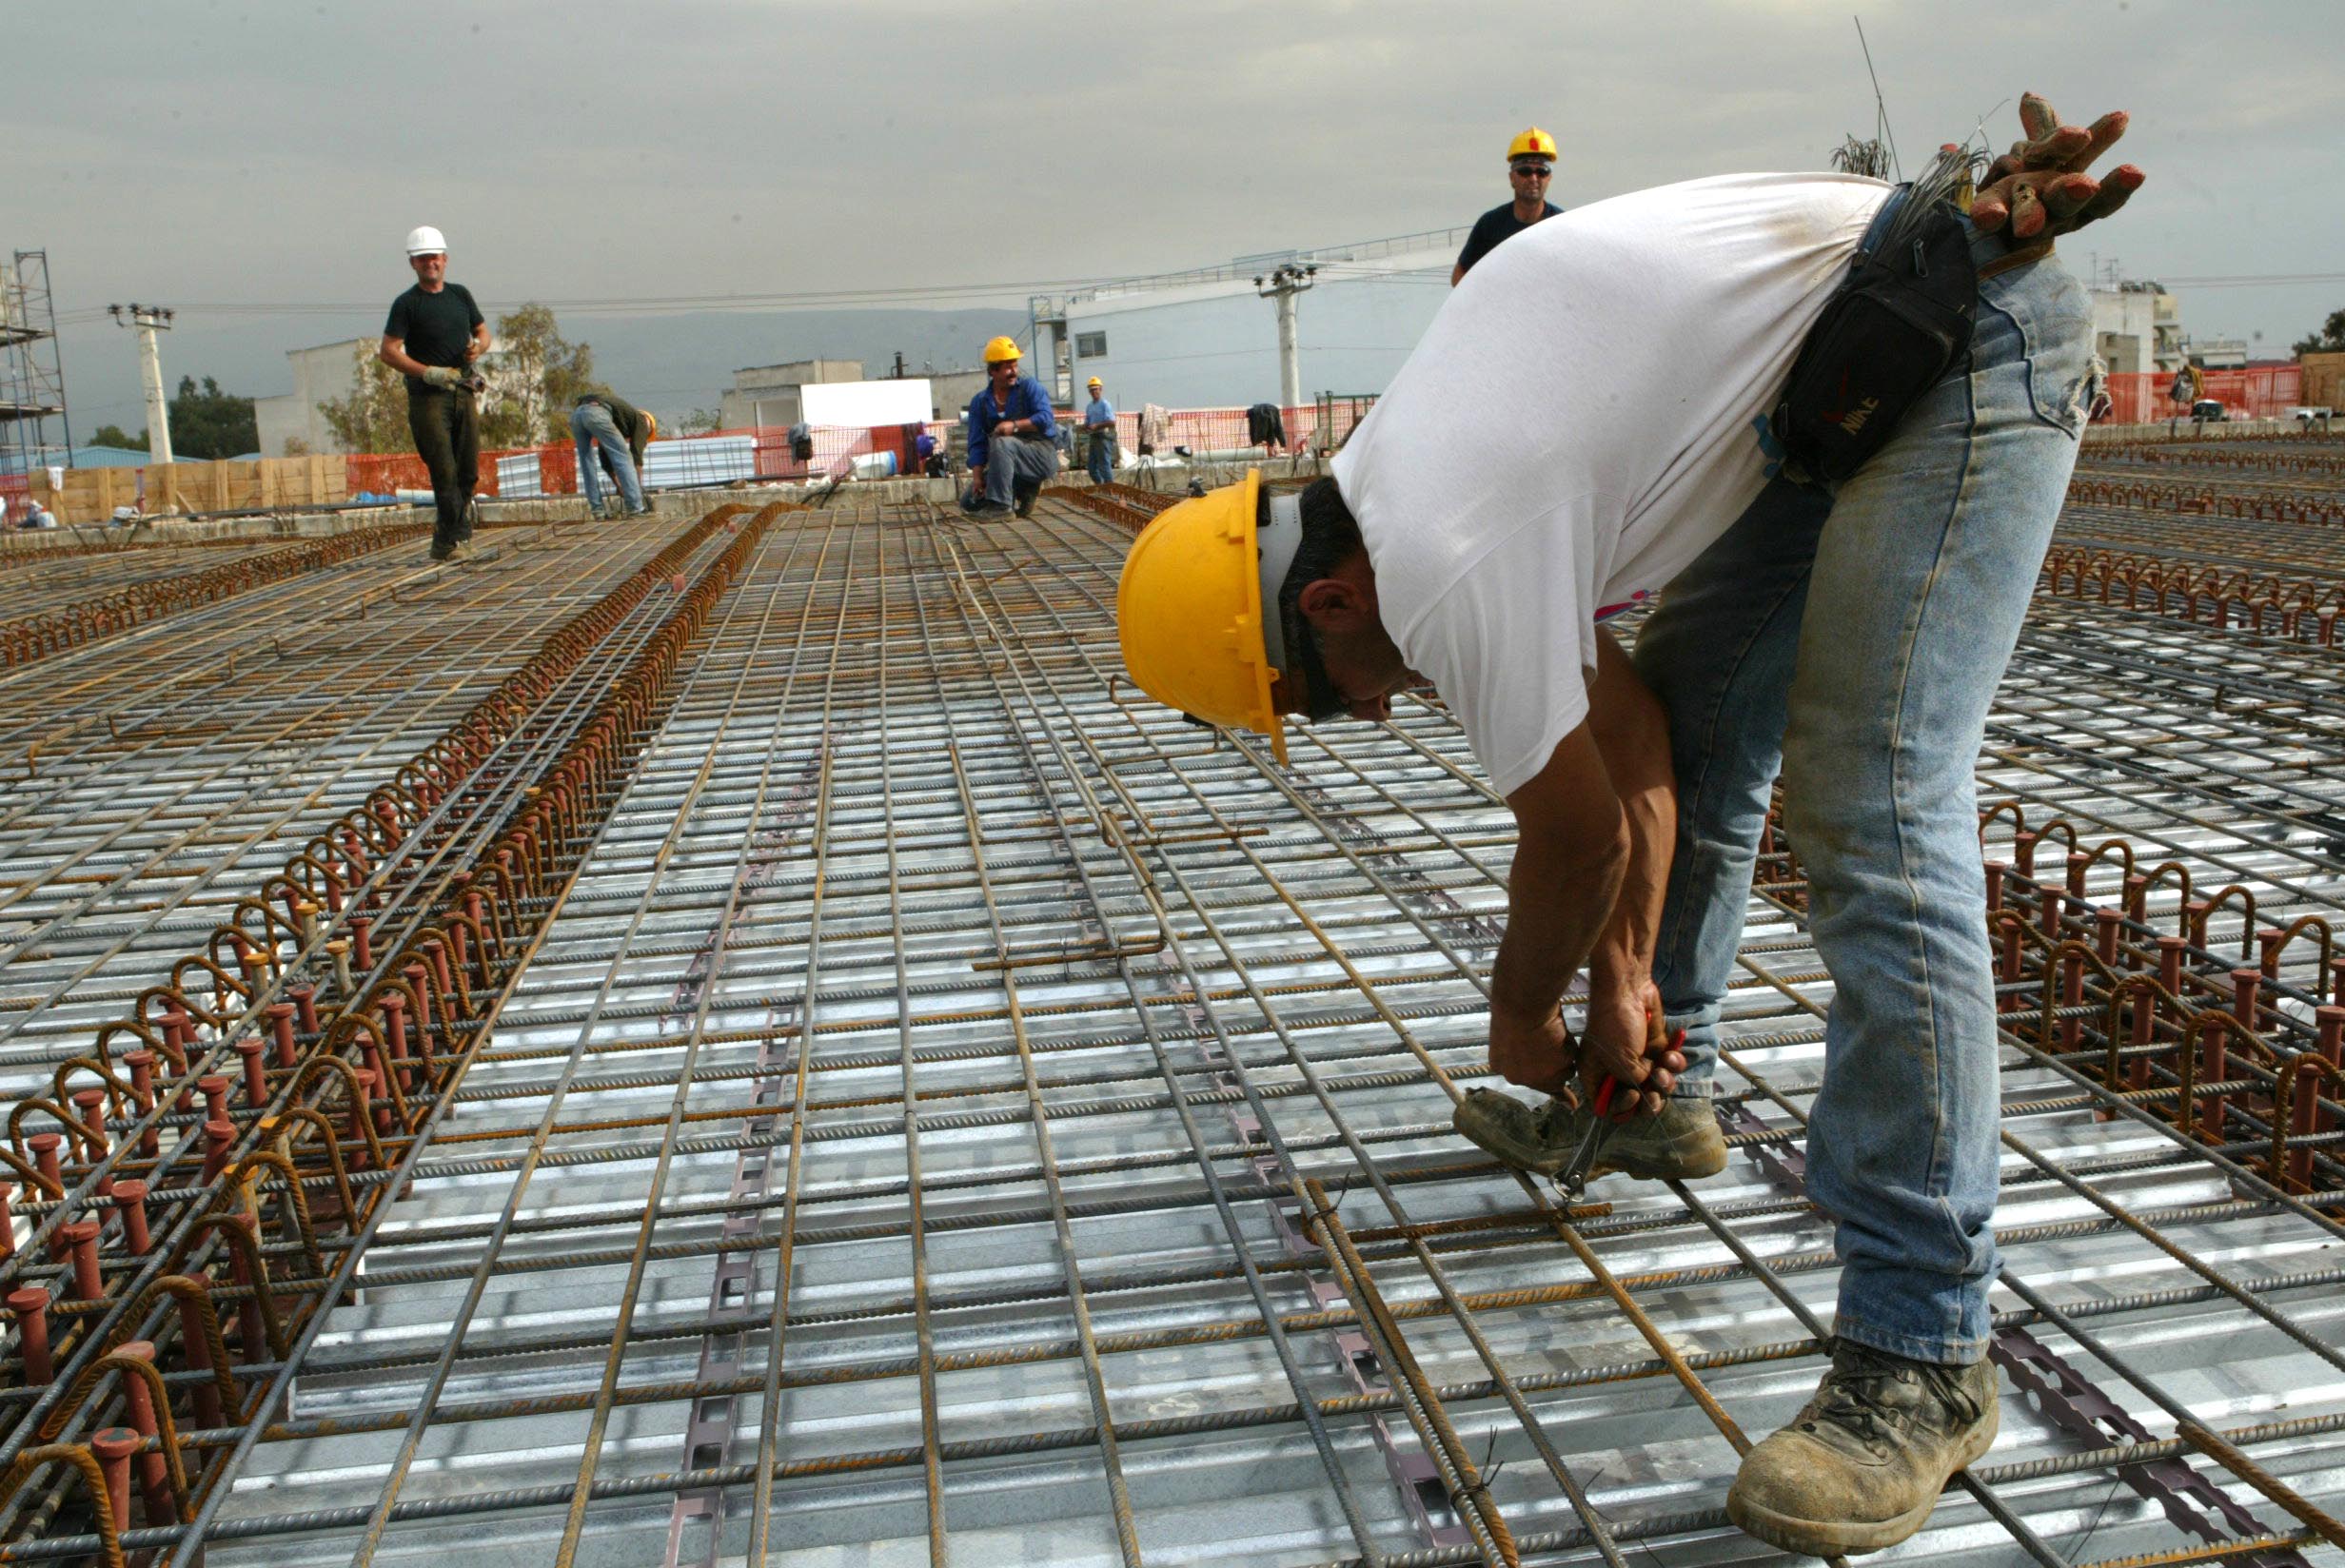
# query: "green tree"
[[210, 423], [374, 417], [700, 422], [2330, 338], [534, 375], [113, 434]]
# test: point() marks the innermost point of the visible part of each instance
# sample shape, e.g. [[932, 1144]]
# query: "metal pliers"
[[1573, 1177]]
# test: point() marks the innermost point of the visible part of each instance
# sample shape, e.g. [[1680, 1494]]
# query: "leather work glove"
[[2039, 187], [443, 375]]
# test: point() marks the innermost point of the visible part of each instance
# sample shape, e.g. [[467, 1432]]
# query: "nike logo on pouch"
[[1855, 421]]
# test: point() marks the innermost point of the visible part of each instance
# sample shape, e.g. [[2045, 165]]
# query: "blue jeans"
[[1102, 457], [591, 427], [1856, 640]]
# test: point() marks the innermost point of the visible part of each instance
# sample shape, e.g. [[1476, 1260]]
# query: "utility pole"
[[1286, 281], [146, 320]]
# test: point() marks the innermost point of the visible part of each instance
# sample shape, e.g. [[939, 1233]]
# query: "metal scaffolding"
[[750, 1042], [31, 373]]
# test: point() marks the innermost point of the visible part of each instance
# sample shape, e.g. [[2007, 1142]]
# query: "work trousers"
[[1102, 457], [446, 426], [1856, 640], [1013, 462], [591, 425]]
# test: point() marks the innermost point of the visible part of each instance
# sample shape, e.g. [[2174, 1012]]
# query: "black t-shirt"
[[437, 328], [1494, 226]]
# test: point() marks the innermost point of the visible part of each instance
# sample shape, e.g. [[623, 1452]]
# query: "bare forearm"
[[1632, 732], [1560, 900], [396, 356]]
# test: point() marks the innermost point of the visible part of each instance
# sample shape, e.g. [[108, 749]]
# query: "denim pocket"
[[2038, 315]]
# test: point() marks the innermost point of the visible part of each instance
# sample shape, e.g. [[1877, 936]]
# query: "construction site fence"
[[2258, 392], [719, 458], [766, 454]]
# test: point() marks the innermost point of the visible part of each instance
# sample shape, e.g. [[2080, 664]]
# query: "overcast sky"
[[209, 153]]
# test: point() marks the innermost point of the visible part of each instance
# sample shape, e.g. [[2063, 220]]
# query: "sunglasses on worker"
[[1535, 172]]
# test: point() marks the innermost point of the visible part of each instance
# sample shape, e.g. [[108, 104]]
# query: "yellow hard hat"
[[651, 423], [1533, 142], [1001, 349], [1191, 609], [1094, 381]]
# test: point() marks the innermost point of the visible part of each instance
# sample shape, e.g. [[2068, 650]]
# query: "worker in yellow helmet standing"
[[1845, 523], [1011, 431], [1530, 163]]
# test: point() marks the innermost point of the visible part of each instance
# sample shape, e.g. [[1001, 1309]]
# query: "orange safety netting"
[[2258, 392]]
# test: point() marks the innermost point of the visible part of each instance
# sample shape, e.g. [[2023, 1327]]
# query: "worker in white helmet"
[[434, 336]]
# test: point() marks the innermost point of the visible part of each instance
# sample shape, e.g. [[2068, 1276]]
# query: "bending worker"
[[434, 335], [607, 427], [1012, 435], [1530, 163], [1852, 628]]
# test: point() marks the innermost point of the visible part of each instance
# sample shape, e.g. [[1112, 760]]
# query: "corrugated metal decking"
[[827, 1073]]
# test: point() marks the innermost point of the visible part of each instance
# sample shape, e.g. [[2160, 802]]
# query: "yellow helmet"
[[1094, 381], [651, 424], [1190, 606], [1001, 349], [1533, 142]]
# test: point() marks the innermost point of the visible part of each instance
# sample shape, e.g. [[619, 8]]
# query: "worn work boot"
[[1861, 1467], [1683, 1141]]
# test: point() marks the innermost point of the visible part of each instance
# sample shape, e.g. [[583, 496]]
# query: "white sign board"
[[865, 405]]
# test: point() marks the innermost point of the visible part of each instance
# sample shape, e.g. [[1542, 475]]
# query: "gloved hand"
[[2039, 187], [443, 375]]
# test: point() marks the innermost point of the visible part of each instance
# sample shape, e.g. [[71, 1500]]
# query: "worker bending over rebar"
[[1832, 423]]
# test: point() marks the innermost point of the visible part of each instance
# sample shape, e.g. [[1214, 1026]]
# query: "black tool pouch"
[[1899, 321]]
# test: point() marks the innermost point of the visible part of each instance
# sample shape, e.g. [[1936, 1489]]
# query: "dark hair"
[[1331, 534]]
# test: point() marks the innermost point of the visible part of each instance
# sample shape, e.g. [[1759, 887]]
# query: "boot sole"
[[1835, 1537]]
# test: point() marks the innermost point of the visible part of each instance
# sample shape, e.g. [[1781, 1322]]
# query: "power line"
[[731, 303]]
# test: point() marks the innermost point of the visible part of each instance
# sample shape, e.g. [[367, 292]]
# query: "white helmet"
[[426, 240]]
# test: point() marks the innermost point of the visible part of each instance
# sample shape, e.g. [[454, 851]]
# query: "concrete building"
[[1206, 339], [767, 394], [324, 374], [952, 389], [2136, 327], [2217, 353]]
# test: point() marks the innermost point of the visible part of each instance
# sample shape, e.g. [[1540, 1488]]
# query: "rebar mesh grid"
[[932, 1104]]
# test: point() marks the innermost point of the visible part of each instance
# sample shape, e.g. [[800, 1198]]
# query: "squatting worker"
[[608, 429], [1011, 434], [1530, 470], [1099, 424], [434, 335], [1530, 163]]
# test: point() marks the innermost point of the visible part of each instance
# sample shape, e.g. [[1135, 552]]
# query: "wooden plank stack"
[[92, 495]]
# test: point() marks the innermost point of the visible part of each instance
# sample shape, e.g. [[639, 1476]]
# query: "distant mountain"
[[670, 364]]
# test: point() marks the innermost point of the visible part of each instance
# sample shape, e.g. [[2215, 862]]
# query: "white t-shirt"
[[1582, 419]]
